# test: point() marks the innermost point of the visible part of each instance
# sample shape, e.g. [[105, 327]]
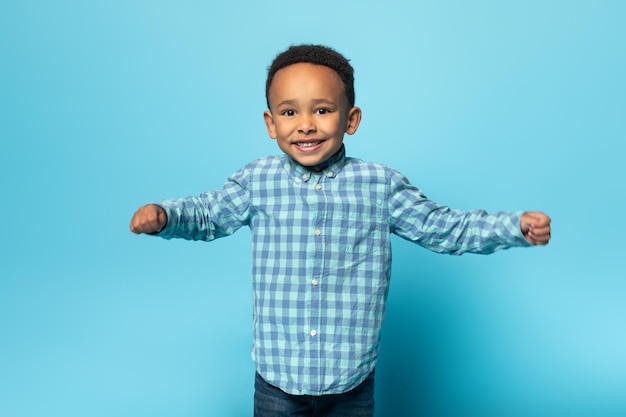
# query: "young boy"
[[321, 225]]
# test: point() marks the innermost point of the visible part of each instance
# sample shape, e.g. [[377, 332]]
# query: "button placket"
[[314, 319]]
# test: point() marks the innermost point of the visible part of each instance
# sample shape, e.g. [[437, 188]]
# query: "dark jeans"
[[270, 401]]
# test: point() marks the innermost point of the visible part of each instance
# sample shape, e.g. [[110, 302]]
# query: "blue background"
[[105, 106]]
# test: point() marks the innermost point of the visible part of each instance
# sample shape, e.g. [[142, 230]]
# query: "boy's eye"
[[288, 113], [323, 111]]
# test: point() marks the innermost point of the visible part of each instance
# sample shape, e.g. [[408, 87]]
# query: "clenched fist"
[[149, 219], [535, 227]]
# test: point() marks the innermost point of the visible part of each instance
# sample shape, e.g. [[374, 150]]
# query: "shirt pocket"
[[360, 242], [357, 229]]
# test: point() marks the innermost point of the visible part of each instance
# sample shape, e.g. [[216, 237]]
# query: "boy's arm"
[[441, 229], [535, 227], [208, 216]]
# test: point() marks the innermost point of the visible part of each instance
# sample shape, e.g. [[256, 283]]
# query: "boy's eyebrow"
[[323, 101], [286, 103], [315, 101]]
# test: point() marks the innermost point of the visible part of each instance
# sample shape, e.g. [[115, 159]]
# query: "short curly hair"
[[313, 54]]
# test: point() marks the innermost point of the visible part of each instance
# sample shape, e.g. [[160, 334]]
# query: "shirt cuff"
[[515, 229]]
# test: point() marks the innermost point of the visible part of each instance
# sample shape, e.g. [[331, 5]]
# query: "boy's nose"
[[306, 126]]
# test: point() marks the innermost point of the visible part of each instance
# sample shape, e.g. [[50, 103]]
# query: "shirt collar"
[[329, 168]]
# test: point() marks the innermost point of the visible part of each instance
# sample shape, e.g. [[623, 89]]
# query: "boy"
[[321, 225]]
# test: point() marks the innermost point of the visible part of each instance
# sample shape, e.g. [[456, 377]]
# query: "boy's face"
[[309, 112]]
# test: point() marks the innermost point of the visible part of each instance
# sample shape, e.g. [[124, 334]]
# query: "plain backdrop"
[[502, 105]]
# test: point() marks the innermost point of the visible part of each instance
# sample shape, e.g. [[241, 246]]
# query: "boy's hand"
[[150, 218], [535, 227]]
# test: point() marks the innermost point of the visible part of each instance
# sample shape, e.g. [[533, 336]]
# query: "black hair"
[[313, 54]]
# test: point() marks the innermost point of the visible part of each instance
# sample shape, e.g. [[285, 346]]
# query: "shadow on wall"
[[416, 334]]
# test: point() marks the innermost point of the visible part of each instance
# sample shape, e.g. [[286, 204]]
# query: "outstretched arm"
[[150, 218], [535, 227], [440, 229], [207, 216]]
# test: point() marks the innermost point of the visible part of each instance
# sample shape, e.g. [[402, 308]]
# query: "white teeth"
[[307, 144]]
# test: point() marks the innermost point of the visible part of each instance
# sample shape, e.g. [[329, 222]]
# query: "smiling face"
[[309, 112]]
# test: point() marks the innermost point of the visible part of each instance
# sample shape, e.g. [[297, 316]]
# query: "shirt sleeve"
[[441, 229], [210, 215]]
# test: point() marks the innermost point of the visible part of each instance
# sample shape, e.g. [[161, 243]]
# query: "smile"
[[308, 144]]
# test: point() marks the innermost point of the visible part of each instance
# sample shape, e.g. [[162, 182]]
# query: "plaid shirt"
[[322, 258]]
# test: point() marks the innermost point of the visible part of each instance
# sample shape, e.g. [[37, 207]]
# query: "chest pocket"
[[357, 227]]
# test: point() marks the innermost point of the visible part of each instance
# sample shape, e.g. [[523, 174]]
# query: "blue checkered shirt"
[[322, 258]]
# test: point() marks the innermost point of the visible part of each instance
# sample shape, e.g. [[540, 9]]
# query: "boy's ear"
[[269, 123], [354, 119]]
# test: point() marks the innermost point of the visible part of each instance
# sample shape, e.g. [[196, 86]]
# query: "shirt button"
[[314, 282], [329, 174], [306, 177], [313, 333], [318, 232], [318, 187]]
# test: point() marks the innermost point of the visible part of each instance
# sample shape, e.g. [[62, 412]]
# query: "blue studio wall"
[[105, 106]]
